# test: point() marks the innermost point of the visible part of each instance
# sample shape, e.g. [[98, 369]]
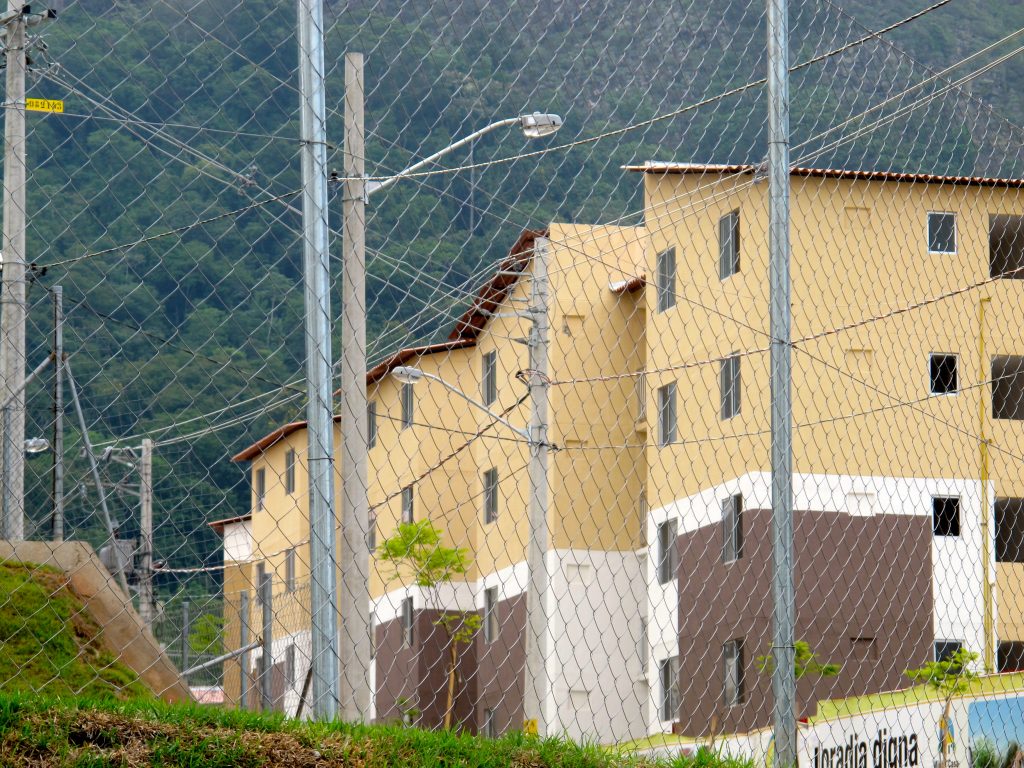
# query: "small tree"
[[416, 551], [805, 662], [949, 677]]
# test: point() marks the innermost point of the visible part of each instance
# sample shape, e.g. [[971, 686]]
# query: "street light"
[[408, 375], [36, 445], [354, 598], [535, 125]]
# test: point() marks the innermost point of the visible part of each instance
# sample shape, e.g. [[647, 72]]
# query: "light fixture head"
[[539, 124], [36, 445], [406, 374]]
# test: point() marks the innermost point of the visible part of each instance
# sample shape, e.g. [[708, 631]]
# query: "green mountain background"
[[184, 112]]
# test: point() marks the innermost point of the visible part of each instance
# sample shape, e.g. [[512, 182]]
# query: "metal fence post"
[[267, 659], [243, 640]]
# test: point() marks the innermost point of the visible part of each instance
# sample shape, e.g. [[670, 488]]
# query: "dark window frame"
[[940, 381], [290, 461], [733, 693], [943, 649], [729, 245], [260, 488], [408, 398], [668, 677], [668, 414], [730, 383], [944, 524], [408, 617], [489, 377], [666, 277], [934, 235], [290, 580], [668, 551], [732, 528], [490, 615], [490, 482], [408, 505]]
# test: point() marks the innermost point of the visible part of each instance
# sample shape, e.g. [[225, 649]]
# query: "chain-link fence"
[[556, 511]]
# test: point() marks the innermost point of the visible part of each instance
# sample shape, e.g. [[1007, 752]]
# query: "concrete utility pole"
[[535, 690], [57, 528], [146, 533], [355, 513], [12, 291], [319, 377], [783, 595]]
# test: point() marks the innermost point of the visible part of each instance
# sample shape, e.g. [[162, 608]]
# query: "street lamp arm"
[[412, 374], [376, 186]]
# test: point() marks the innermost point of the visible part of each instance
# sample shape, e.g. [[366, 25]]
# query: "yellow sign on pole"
[[44, 105]]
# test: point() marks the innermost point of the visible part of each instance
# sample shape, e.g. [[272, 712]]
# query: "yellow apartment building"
[[908, 389]]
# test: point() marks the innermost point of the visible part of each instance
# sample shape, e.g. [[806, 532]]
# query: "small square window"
[[490, 617], [668, 553], [942, 232], [371, 424], [666, 279], [667, 414], [408, 396], [289, 471], [407, 510], [946, 515], [729, 383], [942, 374], [490, 495], [729, 245], [489, 380], [946, 649], [732, 656]]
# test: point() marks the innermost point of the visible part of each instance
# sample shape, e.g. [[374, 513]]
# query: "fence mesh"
[[568, 370]]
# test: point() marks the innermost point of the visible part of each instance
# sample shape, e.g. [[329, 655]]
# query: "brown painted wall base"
[[863, 597]]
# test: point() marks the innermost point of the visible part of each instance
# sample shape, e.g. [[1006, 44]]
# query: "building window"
[[667, 414], [289, 471], [668, 554], [643, 646], [489, 378], [260, 488], [863, 649], [289, 570], [371, 424], [1009, 530], [946, 515], [732, 527], [407, 403], [261, 574], [490, 614], [489, 729], [371, 533], [668, 671], [289, 666], [942, 374], [942, 232], [490, 495], [407, 623], [641, 396], [1008, 387], [729, 245], [666, 279], [946, 649], [373, 635], [407, 511], [729, 384], [732, 658]]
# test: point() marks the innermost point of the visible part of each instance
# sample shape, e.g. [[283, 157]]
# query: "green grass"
[[915, 695], [75, 733], [48, 644]]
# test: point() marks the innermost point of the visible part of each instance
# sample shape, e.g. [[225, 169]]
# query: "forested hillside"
[[186, 112]]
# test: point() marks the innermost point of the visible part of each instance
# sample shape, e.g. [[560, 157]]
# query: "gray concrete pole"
[[267, 658], [243, 641], [537, 683], [355, 554], [783, 598], [146, 531], [12, 290], [57, 485], [319, 377]]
